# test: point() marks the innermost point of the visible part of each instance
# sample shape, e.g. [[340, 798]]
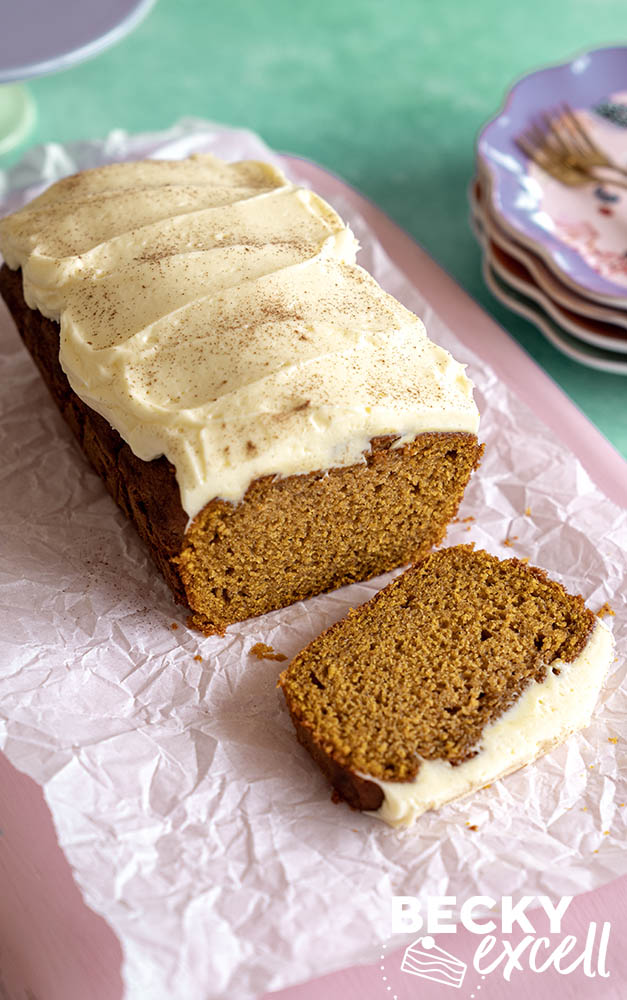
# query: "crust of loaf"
[[147, 492], [348, 787]]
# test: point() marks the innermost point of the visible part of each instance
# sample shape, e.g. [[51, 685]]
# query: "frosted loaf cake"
[[458, 672], [273, 422]]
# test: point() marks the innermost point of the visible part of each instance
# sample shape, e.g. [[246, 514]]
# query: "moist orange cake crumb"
[[420, 673], [264, 652]]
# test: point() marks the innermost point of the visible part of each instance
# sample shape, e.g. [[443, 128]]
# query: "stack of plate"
[[557, 254]]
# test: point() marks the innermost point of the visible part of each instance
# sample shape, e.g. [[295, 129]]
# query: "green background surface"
[[388, 95]]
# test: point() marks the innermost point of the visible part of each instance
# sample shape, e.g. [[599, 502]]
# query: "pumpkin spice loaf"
[[460, 671], [273, 423]]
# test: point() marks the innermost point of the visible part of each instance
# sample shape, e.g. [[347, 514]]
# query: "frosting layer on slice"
[[213, 313], [544, 715]]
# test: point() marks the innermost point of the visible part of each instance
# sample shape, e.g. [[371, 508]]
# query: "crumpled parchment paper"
[[193, 821]]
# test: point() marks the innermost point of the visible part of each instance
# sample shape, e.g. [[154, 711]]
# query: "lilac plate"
[[41, 36], [581, 232]]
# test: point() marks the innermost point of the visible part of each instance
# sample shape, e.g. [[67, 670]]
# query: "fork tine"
[[562, 135], [603, 159], [528, 148], [553, 137], [534, 153], [533, 142], [543, 148], [572, 135], [546, 138], [548, 121], [524, 145], [577, 133], [549, 157], [578, 127]]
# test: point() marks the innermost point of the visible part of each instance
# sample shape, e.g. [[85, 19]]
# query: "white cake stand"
[[42, 36]]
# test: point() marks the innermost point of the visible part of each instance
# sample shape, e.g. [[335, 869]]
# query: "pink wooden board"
[[53, 947]]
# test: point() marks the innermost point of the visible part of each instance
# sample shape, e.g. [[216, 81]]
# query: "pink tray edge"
[[35, 871]]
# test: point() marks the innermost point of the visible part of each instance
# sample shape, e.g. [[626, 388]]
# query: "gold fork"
[[564, 149]]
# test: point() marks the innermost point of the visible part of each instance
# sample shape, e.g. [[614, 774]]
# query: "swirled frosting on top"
[[214, 314]]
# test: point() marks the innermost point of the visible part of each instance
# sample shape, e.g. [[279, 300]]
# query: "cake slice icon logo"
[[423, 958]]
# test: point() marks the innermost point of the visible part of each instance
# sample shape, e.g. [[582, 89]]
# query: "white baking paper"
[[193, 821]]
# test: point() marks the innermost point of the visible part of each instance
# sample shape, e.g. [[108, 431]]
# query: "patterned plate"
[[546, 280], [574, 348], [581, 232], [511, 263]]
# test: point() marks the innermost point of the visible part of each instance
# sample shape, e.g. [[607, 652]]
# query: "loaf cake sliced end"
[[273, 422], [460, 671], [296, 537]]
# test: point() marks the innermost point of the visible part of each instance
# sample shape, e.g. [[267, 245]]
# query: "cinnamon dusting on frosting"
[[213, 313]]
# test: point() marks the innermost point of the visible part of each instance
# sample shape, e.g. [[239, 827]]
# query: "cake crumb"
[[510, 540], [606, 833], [604, 610], [473, 827], [489, 785], [612, 739], [379, 739], [173, 626], [263, 652], [596, 850], [527, 511], [585, 809], [198, 657], [525, 560]]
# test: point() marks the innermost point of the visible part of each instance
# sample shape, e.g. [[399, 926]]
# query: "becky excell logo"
[[496, 951]]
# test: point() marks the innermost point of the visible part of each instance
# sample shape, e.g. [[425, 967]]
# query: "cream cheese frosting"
[[544, 715], [213, 313]]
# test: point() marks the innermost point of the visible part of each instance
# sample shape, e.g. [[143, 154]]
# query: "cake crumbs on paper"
[[264, 652], [473, 827], [596, 850], [612, 739], [489, 785], [525, 559], [606, 833], [173, 626], [509, 541], [198, 657], [604, 610], [527, 511]]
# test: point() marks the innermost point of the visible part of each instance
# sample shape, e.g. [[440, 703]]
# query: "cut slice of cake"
[[273, 422], [460, 671]]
